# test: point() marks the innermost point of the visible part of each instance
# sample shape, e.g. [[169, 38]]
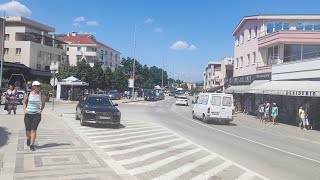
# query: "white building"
[[28, 42], [85, 46]]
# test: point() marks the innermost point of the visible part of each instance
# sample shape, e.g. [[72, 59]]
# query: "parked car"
[[20, 96], [114, 95], [182, 100], [98, 109], [150, 96], [214, 107], [160, 96]]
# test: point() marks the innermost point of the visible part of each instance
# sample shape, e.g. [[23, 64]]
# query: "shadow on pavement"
[[104, 126], [49, 145], [4, 136]]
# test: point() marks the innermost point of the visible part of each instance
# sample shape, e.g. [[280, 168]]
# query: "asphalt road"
[[265, 153]]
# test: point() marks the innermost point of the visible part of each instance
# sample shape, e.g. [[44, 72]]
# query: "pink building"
[[262, 41]]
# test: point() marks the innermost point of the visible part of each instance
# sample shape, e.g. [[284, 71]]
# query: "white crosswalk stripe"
[[108, 135], [246, 176], [186, 168], [99, 131], [153, 154], [213, 171], [163, 162], [117, 152]]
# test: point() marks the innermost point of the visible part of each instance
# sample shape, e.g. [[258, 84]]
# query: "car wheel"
[[204, 119], [77, 116], [82, 122]]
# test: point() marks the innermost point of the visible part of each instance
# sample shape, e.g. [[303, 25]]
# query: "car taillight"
[[208, 110]]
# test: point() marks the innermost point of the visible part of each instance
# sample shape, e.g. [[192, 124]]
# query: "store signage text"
[[301, 93]]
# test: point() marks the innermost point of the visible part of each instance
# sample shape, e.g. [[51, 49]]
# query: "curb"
[[131, 101]]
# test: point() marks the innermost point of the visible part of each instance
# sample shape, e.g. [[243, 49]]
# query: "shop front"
[[244, 101], [290, 96]]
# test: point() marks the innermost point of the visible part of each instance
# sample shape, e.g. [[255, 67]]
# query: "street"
[[161, 140]]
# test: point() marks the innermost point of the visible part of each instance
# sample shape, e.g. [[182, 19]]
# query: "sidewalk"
[[60, 153], [280, 129]]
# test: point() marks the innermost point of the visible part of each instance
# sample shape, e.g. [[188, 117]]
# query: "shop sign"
[[301, 93], [246, 80]]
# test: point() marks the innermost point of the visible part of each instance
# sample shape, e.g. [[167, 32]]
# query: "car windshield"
[[182, 97], [100, 101]]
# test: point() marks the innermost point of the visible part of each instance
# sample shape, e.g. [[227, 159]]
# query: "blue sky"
[[185, 33]]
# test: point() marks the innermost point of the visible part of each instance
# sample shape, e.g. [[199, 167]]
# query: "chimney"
[[74, 33]]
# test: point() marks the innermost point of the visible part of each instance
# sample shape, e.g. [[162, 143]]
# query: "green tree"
[[97, 78], [65, 71], [120, 79], [109, 79], [83, 71]]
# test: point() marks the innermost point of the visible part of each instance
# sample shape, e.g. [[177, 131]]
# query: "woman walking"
[[11, 99], [261, 112], [33, 104], [274, 113], [302, 116]]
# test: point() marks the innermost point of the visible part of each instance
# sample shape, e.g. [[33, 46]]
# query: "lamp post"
[[134, 61], [2, 48], [54, 69]]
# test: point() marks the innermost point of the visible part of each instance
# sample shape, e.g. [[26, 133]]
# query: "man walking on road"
[[33, 104]]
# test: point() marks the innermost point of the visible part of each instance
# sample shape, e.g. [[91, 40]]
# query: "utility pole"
[[134, 61], [162, 73], [2, 48]]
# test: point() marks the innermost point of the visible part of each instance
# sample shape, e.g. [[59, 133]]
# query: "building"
[[85, 46], [29, 43], [216, 72], [284, 49]]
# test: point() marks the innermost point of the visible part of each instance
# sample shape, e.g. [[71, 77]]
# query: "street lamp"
[[54, 69], [2, 48], [134, 61]]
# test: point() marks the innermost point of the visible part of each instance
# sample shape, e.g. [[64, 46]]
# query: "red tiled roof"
[[83, 39]]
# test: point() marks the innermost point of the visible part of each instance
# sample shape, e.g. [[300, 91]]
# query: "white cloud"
[[182, 45], [158, 30], [14, 8], [76, 25], [79, 19], [92, 23], [192, 47], [149, 21], [85, 32]]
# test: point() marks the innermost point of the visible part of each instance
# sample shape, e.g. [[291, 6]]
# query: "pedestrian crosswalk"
[[149, 151]]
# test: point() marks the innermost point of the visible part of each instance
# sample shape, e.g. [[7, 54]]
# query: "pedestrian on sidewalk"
[[33, 104], [309, 117], [11, 99], [302, 117], [261, 112], [274, 113]]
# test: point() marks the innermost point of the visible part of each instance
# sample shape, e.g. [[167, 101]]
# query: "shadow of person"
[[4, 136], [50, 145]]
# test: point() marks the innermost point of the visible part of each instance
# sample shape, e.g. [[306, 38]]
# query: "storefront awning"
[[245, 88], [289, 88]]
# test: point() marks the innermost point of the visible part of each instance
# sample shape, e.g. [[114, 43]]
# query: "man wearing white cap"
[[33, 104]]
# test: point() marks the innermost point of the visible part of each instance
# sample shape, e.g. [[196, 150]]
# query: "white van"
[[213, 106]]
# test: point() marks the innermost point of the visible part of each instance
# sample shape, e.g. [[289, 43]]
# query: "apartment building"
[[29, 43], [284, 49], [216, 72], [85, 46]]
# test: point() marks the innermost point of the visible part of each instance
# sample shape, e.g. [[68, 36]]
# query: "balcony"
[[288, 37], [90, 53]]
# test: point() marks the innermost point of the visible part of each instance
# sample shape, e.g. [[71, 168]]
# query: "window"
[[241, 61], [227, 101], [248, 56], [238, 40], [106, 53], [111, 55], [242, 38], [6, 50], [116, 56], [18, 51], [216, 100], [79, 49], [255, 31], [249, 37], [6, 37], [237, 62], [273, 52], [254, 58], [277, 26], [67, 49]]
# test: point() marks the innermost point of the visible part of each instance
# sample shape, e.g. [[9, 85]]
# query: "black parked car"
[[150, 96], [114, 95], [98, 109]]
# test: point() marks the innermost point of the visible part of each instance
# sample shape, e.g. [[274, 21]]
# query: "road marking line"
[[246, 176], [252, 141], [116, 132], [158, 164], [130, 133], [118, 152], [93, 131], [153, 154], [186, 168], [128, 138], [135, 142], [213, 172]]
